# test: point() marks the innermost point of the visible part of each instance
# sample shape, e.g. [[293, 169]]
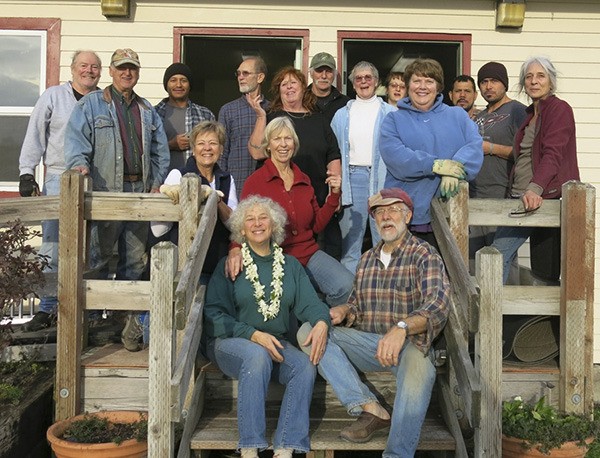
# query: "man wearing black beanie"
[[179, 114], [498, 123]]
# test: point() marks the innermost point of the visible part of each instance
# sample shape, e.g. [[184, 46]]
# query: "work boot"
[[39, 321], [362, 430], [132, 332]]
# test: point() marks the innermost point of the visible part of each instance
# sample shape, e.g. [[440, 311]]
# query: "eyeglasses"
[[393, 210], [521, 212], [365, 78], [243, 73], [397, 86]]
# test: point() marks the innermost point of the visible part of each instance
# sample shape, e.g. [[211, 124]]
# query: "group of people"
[[281, 301]]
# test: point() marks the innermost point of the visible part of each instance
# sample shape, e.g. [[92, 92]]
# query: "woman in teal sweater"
[[246, 322]]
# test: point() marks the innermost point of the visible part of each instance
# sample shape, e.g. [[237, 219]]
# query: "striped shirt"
[[414, 283]]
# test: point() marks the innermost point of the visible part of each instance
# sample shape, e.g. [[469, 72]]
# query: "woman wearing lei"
[[246, 322]]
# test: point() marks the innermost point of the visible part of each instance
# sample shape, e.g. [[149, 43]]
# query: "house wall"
[[567, 32]]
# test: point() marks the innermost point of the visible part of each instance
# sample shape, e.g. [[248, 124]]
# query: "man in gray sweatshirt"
[[43, 143]]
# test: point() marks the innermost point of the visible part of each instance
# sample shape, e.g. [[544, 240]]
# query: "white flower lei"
[[271, 310]]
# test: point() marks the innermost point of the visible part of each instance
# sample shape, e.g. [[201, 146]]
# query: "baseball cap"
[[125, 56], [323, 59], [388, 197]]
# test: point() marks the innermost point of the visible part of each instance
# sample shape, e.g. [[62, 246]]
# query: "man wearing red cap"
[[399, 305]]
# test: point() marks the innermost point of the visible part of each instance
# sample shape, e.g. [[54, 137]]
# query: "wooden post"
[[70, 294], [189, 202], [577, 297], [160, 360], [488, 353], [458, 219]]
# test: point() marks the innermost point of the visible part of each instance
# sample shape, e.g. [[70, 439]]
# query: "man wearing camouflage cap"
[[322, 71], [117, 138]]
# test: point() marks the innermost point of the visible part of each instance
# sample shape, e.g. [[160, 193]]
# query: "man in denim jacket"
[[117, 138]]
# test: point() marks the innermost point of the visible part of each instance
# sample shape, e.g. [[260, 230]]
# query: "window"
[[26, 48]]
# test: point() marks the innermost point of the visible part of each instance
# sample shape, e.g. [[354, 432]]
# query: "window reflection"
[[21, 70]]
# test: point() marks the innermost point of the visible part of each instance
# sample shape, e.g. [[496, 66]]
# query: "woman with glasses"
[[427, 146], [545, 153], [395, 88], [357, 127]]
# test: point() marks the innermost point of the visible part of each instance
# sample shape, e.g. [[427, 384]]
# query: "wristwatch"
[[403, 325]]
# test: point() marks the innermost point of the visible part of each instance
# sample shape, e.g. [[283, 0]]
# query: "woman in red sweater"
[[281, 180]]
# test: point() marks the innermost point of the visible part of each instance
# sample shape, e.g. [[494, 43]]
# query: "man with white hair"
[[322, 72]]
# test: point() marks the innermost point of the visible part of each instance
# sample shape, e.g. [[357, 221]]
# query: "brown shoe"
[[362, 430]]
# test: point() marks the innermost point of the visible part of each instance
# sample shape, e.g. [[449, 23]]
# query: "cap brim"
[[126, 61]]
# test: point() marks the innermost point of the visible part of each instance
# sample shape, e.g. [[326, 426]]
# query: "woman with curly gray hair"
[[246, 321]]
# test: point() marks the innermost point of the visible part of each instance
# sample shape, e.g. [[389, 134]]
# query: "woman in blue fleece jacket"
[[428, 146]]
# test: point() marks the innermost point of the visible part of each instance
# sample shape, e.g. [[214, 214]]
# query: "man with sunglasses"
[[239, 119], [399, 305]]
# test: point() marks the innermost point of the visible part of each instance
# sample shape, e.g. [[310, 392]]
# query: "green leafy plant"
[[93, 429], [542, 426]]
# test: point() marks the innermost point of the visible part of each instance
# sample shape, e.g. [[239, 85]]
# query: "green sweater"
[[232, 311]]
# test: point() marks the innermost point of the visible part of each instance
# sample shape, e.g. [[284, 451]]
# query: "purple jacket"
[[554, 155]]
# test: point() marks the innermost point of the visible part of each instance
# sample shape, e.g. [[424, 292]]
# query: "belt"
[[132, 178]]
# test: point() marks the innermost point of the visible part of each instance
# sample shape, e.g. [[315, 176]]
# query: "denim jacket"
[[340, 125], [93, 140]]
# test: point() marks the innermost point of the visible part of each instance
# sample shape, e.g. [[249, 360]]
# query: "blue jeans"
[[507, 241], [131, 237], [251, 364], [330, 278], [348, 350], [49, 246], [353, 221]]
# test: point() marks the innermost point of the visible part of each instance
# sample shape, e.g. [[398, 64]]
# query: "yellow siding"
[[567, 32]]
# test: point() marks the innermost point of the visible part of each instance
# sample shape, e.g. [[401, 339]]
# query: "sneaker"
[[283, 453], [132, 333], [39, 321], [249, 452], [362, 430]]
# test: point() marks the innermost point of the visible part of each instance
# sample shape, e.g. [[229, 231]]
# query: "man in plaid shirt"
[[398, 306]]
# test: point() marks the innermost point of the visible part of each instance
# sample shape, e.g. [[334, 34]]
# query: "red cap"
[[388, 197]]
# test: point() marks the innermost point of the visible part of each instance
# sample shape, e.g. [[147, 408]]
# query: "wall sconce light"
[[510, 13], [115, 8]]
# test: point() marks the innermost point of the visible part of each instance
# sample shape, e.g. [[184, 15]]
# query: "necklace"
[[268, 311], [295, 116]]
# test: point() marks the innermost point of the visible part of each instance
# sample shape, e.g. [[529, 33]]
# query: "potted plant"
[[540, 430], [102, 434]]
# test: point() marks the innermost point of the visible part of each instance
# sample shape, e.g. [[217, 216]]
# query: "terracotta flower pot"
[[511, 448], [127, 449]]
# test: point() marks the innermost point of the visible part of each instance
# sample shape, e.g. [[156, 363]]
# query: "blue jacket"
[[340, 125], [412, 139], [92, 139]]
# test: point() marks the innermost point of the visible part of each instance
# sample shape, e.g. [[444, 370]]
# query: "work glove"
[[449, 168], [28, 186], [171, 191], [449, 187]]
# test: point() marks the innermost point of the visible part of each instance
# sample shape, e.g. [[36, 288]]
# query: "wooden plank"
[[190, 200], [188, 282], [488, 352], [116, 295], [458, 219], [36, 352], [192, 418], [186, 358], [116, 356], [495, 212], [130, 206], [577, 293], [30, 210], [447, 410], [531, 300], [161, 437], [70, 286], [462, 282]]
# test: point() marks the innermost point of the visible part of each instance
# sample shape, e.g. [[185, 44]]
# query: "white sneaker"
[[249, 452], [283, 453]]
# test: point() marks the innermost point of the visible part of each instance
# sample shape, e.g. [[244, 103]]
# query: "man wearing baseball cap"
[[498, 124], [117, 138], [401, 298], [179, 114], [322, 72]]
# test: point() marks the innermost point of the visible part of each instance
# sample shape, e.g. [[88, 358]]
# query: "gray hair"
[[275, 211], [80, 51], [275, 127], [548, 67], [363, 65], [260, 65]]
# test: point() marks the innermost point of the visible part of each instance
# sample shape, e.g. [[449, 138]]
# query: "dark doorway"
[[393, 52], [214, 59]]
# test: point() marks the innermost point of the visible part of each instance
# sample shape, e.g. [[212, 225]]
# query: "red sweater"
[[305, 218]]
